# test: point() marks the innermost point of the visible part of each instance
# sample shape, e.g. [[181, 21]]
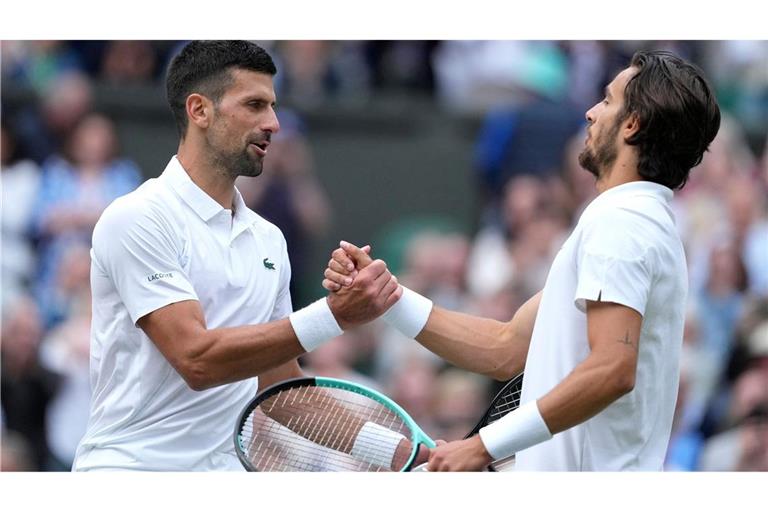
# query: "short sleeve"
[[137, 250], [614, 263]]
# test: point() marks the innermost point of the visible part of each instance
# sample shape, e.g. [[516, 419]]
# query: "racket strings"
[[508, 401], [314, 429]]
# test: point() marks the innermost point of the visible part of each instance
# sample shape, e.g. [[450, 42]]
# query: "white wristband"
[[376, 445], [409, 315], [518, 430], [315, 324]]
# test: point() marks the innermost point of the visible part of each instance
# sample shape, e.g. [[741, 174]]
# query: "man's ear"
[[199, 110], [630, 126]]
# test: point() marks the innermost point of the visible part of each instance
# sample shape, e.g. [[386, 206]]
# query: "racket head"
[[310, 424], [505, 401]]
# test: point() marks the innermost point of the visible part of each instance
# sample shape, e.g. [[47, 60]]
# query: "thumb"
[[359, 255]]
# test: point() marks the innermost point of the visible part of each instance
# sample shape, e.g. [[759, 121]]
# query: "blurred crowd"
[[62, 165]]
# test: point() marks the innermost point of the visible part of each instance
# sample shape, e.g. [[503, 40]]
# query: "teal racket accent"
[[325, 424], [419, 436]]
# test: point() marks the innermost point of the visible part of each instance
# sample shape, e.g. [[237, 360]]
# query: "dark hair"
[[678, 115], [204, 67]]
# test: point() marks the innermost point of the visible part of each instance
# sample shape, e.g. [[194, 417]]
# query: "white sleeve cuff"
[[518, 430], [315, 324], [376, 445], [409, 315]]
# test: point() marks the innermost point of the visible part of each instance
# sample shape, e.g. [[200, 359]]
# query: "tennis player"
[[190, 287], [600, 344]]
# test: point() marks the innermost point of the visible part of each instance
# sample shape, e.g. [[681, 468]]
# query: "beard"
[[598, 161], [235, 161]]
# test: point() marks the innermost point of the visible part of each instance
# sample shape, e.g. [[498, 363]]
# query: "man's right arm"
[[481, 345], [210, 357], [485, 346], [140, 254]]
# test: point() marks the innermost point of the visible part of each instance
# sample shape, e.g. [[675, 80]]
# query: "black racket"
[[322, 424], [505, 401]]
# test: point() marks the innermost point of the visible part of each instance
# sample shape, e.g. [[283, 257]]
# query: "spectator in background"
[[20, 182], [337, 358], [742, 445], [70, 286], [738, 72], [289, 195], [701, 208], [65, 352], [43, 128], [77, 185], [746, 206], [474, 76], [521, 248], [401, 65], [460, 398], [434, 263], [412, 385], [26, 387], [721, 300], [38, 64], [128, 62]]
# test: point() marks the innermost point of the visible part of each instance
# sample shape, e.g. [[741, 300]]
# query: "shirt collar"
[[635, 188], [200, 202], [244, 216]]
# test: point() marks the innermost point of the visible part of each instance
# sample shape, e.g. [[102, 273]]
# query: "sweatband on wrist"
[[409, 315], [315, 324], [376, 445], [518, 430]]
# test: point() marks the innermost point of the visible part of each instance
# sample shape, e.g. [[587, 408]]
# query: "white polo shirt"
[[166, 242], [624, 249]]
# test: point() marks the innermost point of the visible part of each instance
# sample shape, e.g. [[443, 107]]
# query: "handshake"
[[363, 289]]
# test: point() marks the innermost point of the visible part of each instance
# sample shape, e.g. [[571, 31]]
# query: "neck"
[[210, 178], [623, 170]]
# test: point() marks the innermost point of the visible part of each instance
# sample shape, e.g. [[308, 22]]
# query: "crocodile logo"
[[268, 264]]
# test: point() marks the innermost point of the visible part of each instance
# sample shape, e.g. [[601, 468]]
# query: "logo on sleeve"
[[268, 264], [159, 275]]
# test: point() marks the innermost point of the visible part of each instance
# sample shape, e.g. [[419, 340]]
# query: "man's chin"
[[587, 163], [251, 171]]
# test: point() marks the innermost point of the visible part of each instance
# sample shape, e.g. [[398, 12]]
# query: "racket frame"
[[418, 437]]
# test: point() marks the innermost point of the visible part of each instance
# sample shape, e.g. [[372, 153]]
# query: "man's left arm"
[[604, 376]]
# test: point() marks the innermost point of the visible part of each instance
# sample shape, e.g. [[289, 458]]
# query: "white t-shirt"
[[624, 249], [166, 242]]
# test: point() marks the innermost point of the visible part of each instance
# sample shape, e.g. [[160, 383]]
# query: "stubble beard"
[[598, 162], [235, 162]]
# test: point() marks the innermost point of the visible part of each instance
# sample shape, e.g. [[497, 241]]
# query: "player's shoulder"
[[151, 202]]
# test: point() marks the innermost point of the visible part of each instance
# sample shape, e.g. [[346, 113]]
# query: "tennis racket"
[[505, 401], [324, 424]]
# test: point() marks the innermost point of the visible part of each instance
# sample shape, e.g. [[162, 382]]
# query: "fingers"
[[331, 286], [337, 278], [360, 256], [343, 263], [372, 272], [341, 268]]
